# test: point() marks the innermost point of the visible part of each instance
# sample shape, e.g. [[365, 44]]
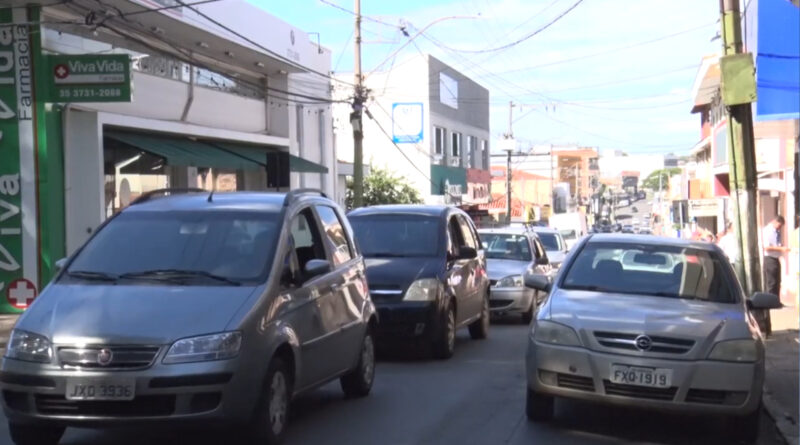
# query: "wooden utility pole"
[[356, 117], [510, 137], [741, 152]]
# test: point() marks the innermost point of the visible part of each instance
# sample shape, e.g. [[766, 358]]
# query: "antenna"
[[211, 195]]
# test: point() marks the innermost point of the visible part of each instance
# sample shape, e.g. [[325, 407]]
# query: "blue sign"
[[407, 122]]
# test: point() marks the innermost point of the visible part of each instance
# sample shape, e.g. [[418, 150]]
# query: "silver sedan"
[[648, 322], [511, 254]]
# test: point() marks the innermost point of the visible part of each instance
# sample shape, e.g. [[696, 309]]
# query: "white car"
[[652, 323]]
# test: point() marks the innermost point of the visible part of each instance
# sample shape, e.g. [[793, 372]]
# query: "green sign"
[[88, 78]]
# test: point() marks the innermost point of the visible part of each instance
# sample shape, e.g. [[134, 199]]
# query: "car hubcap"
[[451, 330], [278, 402], [368, 360]]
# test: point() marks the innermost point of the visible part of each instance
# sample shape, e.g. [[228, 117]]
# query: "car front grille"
[[665, 345], [122, 357], [639, 392], [575, 382], [142, 406]]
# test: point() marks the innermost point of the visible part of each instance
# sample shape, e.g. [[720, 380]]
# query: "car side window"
[[340, 247], [540, 252], [305, 245], [455, 237], [466, 233], [535, 248]]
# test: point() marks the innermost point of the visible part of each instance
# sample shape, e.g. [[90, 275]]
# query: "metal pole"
[[508, 188], [741, 153], [356, 117]]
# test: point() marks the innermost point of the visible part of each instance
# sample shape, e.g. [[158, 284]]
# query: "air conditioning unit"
[[455, 162]]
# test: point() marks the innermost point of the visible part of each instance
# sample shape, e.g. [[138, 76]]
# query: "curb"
[[784, 426]]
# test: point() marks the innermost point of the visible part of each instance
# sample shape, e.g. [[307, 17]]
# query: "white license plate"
[[641, 376], [101, 389]]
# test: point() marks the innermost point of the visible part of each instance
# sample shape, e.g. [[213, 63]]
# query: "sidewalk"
[[781, 383]]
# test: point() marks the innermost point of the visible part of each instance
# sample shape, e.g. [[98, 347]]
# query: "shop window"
[[439, 141], [455, 146], [129, 173]]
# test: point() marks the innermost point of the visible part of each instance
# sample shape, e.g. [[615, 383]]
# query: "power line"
[[364, 17], [517, 42]]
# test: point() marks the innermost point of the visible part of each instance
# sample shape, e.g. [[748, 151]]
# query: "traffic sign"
[[88, 78], [21, 293]]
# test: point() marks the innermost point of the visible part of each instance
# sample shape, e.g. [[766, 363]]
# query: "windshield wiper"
[[588, 287], [91, 275], [171, 274], [385, 255]]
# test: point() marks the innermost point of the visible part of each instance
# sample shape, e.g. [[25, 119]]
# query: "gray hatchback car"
[[216, 308]]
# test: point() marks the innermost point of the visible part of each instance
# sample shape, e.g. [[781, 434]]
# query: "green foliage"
[[651, 182], [381, 187]]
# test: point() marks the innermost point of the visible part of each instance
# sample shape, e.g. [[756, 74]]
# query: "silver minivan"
[[212, 308]]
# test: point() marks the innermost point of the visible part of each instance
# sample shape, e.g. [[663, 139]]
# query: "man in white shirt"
[[772, 254]]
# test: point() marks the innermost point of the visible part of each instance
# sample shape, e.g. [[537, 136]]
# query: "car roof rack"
[[293, 194], [147, 196]]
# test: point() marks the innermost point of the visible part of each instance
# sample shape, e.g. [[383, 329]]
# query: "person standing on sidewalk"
[[773, 250]]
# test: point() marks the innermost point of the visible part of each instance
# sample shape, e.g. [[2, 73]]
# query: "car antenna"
[[211, 195]]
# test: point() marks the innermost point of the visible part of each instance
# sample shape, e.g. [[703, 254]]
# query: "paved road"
[[477, 398]]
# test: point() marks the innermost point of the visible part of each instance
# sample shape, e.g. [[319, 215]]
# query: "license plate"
[[640, 376], [100, 389]]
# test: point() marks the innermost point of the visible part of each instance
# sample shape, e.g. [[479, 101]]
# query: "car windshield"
[[183, 247], [644, 269], [550, 241], [396, 235], [505, 246]]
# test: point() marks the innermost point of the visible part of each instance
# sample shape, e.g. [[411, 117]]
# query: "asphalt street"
[[477, 397]]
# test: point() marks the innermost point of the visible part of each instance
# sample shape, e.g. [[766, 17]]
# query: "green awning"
[[258, 154], [183, 151]]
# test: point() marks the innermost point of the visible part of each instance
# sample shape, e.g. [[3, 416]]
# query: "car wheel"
[[479, 329], [358, 382], [539, 407], [745, 428], [34, 434], [445, 342], [269, 422], [527, 316]]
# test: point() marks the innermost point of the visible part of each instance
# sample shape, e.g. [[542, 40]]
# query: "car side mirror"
[[60, 264], [542, 261], [537, 282], [763, 300], [315, 268], [467, 253]]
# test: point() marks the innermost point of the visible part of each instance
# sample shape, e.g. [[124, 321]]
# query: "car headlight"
[[29, 347], [742, 351], [426, 289], [555, 334], [511, 281], [205, 348]]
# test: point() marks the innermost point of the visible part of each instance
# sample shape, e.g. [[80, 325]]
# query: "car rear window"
[[550, 241], [396, 235], [505, 246], [644, 269]]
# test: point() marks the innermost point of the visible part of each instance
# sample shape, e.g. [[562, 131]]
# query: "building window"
[[439, 140], [485, 154], [473, 157], [456, 149]]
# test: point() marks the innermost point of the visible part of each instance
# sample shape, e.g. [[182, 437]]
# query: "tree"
[[652, 182], [381, 187]]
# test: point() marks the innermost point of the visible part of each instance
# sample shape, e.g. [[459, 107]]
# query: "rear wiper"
[[169, 274], [91, 275]]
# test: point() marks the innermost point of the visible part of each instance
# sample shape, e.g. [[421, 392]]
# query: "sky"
[[610, 74]]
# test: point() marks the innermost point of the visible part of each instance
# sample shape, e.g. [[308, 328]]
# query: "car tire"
[[527, 316], [358, 382], [271, 416], [445, 342], [34, 434], [479, 329], [745, 429], [539, 407]]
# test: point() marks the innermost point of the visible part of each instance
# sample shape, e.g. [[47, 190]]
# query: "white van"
[[571, 225]]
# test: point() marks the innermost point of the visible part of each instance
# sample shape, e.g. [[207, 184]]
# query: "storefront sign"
[[407, 123], [18, 210], [703, 207], [88, 78]]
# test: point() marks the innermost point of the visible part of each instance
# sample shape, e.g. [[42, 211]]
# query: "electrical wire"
[[363, 17]]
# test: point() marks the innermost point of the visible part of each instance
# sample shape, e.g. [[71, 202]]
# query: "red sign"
[[61, 71], [21, 293]]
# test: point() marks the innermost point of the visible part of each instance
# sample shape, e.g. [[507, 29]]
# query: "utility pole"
[[741, 154], [356, 117], [510, 148]]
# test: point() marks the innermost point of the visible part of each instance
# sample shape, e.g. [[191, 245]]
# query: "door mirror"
[[315, 268], [467, 253], [60, 264], [537, 282], [763, 300]]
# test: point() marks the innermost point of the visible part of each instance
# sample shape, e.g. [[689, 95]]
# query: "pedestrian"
[[728, 243], [773, 250]]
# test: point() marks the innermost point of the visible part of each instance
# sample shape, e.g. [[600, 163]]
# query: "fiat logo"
[[643, 343], [104, 357]]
